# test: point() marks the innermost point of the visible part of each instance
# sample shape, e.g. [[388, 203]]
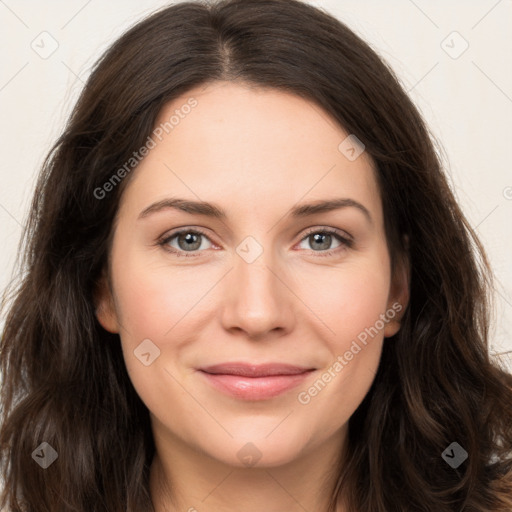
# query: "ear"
[[399, 293], [104, 303]]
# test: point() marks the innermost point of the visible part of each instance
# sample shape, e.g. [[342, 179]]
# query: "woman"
[[168, 349]]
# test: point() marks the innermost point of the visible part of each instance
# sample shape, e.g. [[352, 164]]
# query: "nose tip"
[[256, 301]]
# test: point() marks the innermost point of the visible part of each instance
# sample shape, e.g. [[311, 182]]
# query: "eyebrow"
[[214, 211]]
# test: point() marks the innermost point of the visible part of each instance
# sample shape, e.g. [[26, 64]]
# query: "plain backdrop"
[[453, 57]]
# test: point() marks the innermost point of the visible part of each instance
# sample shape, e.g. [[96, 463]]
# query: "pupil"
[[191, 239], [318, 237]]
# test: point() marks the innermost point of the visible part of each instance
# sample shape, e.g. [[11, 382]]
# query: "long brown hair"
[[64, 381]]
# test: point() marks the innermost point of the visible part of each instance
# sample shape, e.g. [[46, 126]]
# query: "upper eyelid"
[[337, 231]]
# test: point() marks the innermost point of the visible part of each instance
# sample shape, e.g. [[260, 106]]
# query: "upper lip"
[[251, 370]]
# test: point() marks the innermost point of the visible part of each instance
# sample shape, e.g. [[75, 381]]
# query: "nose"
[[258, 300]]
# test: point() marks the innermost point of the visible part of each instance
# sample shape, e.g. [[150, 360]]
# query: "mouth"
[[255, 382]]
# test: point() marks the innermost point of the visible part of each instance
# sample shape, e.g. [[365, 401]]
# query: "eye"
[[191, 241], [323, 238], [188, 240]]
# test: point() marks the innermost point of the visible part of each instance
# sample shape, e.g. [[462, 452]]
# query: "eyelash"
[[346, 242]]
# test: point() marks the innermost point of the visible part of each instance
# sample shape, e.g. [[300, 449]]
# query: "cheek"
[[351, 310], [153, 298], [349, 298], [155, 304], [351, 301]]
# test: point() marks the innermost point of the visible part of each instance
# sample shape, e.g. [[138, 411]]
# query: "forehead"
[[251, 148]]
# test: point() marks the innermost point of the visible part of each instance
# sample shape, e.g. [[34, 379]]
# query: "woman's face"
[[260, 284]]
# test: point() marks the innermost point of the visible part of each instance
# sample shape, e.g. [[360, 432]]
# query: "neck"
[[185, 480]]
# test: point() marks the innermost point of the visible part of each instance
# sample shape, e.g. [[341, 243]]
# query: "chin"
[[264, 451]]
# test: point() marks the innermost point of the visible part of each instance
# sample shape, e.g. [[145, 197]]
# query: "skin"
[[255, 153]]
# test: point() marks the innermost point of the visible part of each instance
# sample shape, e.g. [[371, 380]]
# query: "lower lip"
[[255, 388]]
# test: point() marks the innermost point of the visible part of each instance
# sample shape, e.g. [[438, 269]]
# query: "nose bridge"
[[253, 271], [257, 301]]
